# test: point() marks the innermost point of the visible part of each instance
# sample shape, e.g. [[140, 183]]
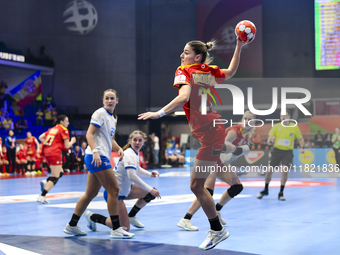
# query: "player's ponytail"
[[59, 119], [202, 48]]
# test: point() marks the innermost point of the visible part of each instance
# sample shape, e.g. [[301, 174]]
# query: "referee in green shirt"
[[282, 135]]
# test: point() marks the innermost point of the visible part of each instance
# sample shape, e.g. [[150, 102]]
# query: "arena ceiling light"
[[179, 113]]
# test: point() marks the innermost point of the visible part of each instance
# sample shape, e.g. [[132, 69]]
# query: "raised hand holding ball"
[[245, 30]]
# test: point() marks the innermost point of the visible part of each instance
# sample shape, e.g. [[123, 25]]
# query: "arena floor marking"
[[165, 200], [277, 183], [33, 197], [11, 250]]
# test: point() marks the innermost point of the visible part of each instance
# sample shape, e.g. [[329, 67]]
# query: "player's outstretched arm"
[[180, 100]]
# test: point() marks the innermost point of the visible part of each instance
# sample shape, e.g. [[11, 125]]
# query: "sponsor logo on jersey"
[[180, 78]]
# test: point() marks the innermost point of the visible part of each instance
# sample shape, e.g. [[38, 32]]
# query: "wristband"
[[94, 150], [161, 113]]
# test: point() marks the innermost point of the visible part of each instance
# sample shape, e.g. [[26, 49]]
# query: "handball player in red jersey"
[[194, 79], [54, 141]]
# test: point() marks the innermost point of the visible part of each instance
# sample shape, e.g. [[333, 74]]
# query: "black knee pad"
[[210, 191], [61, 174], [235, 190], [53, 179], [149, 197]]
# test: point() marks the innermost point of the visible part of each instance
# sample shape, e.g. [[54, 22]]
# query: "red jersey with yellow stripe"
[[54, 141], [30, 143], [202, 78], [240, 139]]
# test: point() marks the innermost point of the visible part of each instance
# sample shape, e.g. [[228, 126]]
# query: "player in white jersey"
[[131, 186], [100, 137]]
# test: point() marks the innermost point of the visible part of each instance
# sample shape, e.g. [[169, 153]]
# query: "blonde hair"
[[202, 48], [136, 132], [248, 133], [111, 90]]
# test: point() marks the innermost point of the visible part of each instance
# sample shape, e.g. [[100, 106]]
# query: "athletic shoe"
[[281, 197], [134, 222], [222, 221], [27, 173], [214, 238], [42, 199], [39, 172], [33, 173], [76, 231], [0, 174], [186, 225], [262, 193], [121, 233], [42, 185], [90, 223]]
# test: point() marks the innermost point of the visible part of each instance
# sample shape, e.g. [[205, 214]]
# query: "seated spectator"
[[177, 152], [8, 123], [82, 154], [318, 140], [173, 141], [39, 119], [76, 161], [328, 140], [170, 156], [307, 143]]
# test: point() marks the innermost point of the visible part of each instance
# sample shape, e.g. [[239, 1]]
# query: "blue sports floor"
[[307, 223]]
